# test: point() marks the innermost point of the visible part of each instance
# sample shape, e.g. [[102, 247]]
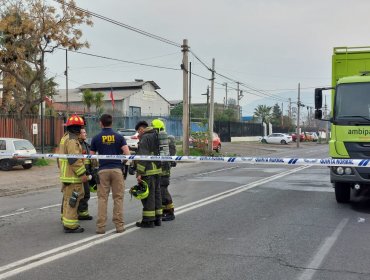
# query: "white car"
[[131, 137], [277, 138], [21, 147]]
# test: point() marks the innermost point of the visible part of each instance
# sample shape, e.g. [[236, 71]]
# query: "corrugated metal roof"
[[116, 85], [76, 95]]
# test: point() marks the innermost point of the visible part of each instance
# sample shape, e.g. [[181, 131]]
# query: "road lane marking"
[[214, 171], [322, 252], [14, 214], [54, 254], [94, 197], [50, 206]]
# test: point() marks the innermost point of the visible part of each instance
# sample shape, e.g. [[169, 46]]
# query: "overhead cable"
[[124, 61], [134, 29]]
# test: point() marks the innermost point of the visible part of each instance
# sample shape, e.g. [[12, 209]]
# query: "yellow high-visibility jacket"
[[71, 169]]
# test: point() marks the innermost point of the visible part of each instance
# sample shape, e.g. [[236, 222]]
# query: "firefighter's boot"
[[144, 224], [75, 230], [168, 215], [85, 218], [158, 222]]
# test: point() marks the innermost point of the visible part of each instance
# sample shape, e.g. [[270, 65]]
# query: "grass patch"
[[198, 153], [42, 162]]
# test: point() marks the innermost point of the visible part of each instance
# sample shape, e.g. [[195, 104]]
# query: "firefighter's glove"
[[131, 170], [84, 178]]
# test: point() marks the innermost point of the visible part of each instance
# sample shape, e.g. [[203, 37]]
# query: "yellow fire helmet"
[[140, 191], [158, 124]]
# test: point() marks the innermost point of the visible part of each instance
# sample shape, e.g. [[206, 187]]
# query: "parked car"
[[302, 137], [277, 138], [312, 136], [199, 139], [21, 147], [131, 137]]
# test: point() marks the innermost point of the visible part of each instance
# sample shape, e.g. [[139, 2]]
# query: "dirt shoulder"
[[18, 180]]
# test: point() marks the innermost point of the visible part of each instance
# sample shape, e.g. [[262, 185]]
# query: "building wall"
[[150, 102]]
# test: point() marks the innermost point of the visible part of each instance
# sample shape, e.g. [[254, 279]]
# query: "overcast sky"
[[269, 45]]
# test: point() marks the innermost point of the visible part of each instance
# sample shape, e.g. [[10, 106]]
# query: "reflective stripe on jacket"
[[148, 145], [71, 169]]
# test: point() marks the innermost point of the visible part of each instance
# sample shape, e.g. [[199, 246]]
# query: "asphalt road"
[[233, 221]]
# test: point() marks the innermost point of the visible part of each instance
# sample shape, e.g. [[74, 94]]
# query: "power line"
[[121, 60], [134, 29]]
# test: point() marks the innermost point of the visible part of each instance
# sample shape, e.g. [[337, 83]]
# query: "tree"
[[263, 112], [226, 115], [88, 98], [276, 115], [177, 111], [99, 101], [31, 29]]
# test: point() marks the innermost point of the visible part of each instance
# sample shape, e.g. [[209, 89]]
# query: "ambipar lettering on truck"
[[359, 131]]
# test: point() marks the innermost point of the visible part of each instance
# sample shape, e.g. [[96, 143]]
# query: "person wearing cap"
[[72, 174]]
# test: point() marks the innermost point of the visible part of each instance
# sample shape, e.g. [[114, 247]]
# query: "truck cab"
[[349, 118]]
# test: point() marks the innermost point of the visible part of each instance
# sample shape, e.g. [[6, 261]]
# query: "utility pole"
[[207, 110], [282, 114], [298, 112], [66, 73], [211, 109], [237, 100], [225, 84], [185, 108], [189, 98]]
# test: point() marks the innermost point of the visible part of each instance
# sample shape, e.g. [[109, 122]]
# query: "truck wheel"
[[5, 165], [342, 192], [27, 166]]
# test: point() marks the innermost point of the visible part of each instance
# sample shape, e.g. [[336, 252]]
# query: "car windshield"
[[358, 96], [23, 145], [127, 132]]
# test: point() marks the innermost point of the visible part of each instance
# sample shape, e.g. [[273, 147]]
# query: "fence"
[[53, 129]]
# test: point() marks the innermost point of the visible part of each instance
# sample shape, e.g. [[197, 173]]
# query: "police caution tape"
[[250, 160]]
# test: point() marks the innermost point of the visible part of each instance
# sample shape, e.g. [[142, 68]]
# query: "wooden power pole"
[[185, 104], [211, 109]]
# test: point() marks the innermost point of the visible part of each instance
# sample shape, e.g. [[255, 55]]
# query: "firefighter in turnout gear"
[[168, 148], [149, 171], [83, 206], [72, 174]]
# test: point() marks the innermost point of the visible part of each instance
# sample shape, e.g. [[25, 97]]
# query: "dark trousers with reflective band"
[[70, 216], [152, 205], [83, 207], [167, 203]]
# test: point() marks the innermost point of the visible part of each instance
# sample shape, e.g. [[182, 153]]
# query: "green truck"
[[349, 118]]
